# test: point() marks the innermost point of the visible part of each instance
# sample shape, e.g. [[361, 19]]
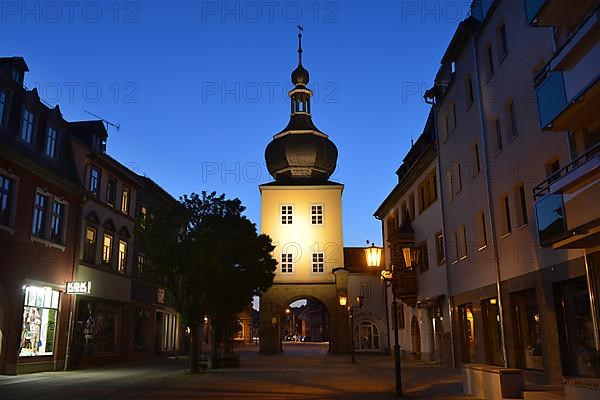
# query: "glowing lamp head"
[[373, 256], [343, 301], [411, 255]]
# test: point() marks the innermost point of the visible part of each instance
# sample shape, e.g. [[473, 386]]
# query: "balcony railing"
[[571, 73], [563, 209], [544, 187]]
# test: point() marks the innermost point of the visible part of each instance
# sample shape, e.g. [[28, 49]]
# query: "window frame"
[[111, 183], [286, 214], [95, 191], [287, 263], [318, 264], [10, 194], [107, 261], [521, 201], [315, 215], [61, 219], [511, 116], [27, 136], [122, 257], [51, 145], [506, 218], [90, 249], [3, 104], [367, 294], [498, 135], [125, 199], [40, 215]]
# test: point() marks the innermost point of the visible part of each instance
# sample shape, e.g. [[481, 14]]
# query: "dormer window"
[[51, 142], [97, 143], [27, 126], [17, 76]]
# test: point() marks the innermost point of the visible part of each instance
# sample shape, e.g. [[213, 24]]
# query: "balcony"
[[568, 89], [566, 204], [557, 12]]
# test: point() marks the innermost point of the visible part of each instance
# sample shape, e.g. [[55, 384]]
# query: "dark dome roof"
[[301, 156], [300, 76]]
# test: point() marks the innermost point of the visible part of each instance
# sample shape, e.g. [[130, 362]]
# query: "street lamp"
[[344, 302], [373, 255], [411, 255]]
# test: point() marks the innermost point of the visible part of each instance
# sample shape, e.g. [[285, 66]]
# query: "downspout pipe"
[[488, 190], [385, 288], [433, 104]]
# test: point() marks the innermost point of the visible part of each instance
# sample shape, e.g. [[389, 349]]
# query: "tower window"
[[287, 264], [316, 213], [287, 213], [318, 262]]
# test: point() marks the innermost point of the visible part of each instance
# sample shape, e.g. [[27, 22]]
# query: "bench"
[[492, 382]]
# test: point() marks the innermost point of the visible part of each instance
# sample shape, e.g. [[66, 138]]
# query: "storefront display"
[[101, 327], [40, 312]]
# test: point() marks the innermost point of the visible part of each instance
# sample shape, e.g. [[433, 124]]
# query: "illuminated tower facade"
[[302, 212]]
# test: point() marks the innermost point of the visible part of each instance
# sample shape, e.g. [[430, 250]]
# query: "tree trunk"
[[195, 346]]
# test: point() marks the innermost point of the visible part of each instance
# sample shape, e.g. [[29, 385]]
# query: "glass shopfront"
[[40, 314], [99, 325]]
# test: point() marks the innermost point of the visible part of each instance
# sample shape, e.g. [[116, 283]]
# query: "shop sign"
[[79, 287]]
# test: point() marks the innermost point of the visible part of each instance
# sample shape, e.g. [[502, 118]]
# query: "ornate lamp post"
[[403, 282], [344, 303]]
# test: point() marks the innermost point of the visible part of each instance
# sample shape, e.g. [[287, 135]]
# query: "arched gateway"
[[302, 212]]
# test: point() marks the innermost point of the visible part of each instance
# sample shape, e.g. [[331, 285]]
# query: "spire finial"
[[300, 30]]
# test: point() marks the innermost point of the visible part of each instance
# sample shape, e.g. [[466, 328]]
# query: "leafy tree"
[[210, 258]]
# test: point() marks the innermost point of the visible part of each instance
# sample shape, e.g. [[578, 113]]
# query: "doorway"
[[415, 332], [366, 337]]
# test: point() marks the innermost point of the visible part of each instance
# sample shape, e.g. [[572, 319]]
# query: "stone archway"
[[274, 302]]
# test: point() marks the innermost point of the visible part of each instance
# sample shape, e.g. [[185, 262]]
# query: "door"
[[526, 330], [467, 333], [367, 336], [158, 332], [416, 336], [493, 331]]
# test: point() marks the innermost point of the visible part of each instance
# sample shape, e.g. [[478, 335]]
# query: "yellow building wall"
[[301, 238]]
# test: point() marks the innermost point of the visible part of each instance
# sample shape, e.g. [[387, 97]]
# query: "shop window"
[[40, 312], [366, 336], [526, 329], [575, 329], [100, 325], [467, 333]]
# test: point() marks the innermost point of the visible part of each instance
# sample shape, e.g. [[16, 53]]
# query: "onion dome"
[[301, 153]]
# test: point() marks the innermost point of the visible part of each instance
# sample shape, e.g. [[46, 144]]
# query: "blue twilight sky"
[[200, 87]]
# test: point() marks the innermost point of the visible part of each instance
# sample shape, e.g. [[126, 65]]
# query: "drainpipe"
[[589, 274], [488, 190], [433, 104]]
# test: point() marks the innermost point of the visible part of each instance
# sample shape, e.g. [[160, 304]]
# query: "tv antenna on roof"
[[107, 122]]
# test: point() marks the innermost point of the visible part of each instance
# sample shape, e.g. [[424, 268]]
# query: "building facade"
[[519, 203], [72, 292], [424, 323], [302, 213], [40, 201]]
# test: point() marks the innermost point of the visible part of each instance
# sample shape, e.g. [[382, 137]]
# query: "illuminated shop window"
[[40, 313]]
